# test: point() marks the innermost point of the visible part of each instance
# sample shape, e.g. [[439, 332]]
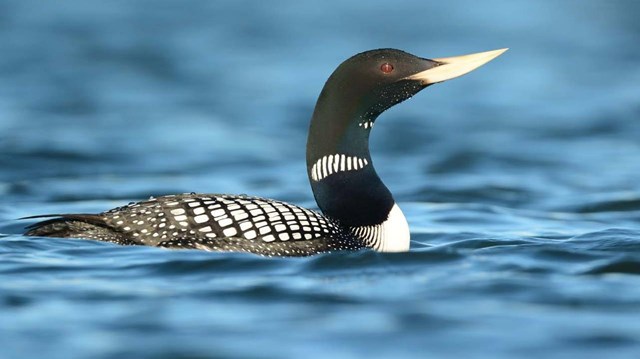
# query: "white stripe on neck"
[[328, 165]]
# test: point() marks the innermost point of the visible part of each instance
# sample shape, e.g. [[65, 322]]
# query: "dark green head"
[[375, 80], [369, 83]]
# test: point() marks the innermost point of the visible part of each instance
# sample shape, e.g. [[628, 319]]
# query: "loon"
[[358, 211]]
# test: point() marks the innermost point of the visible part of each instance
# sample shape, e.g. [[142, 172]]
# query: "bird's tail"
[[89, 226]]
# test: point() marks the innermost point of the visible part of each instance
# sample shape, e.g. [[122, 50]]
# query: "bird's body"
[[211, 222], [358, 209]]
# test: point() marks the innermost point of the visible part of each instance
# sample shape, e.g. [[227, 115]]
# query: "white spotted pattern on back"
[[331, 164], [219, 217]]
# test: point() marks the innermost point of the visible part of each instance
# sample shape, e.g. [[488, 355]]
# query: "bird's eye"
[[386, 67]]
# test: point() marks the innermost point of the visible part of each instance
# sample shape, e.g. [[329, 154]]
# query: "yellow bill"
[[452, 67]]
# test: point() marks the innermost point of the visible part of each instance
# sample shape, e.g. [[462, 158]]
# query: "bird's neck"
[[343, 179]]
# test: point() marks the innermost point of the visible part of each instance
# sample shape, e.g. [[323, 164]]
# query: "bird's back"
[[209, 222]]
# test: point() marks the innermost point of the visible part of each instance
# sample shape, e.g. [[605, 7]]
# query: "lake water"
[[520, 181]]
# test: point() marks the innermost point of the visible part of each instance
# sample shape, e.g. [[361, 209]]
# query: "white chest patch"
[[328, 165], [391, 235]]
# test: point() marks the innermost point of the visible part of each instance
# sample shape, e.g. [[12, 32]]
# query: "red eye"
[[386, 67]]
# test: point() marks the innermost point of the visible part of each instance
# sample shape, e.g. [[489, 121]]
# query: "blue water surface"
[[520, 181]]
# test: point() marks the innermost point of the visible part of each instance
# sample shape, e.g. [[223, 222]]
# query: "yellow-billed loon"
[[358, 209]]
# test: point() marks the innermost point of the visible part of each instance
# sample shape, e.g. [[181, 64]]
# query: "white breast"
[[395, 236], [391, 235]]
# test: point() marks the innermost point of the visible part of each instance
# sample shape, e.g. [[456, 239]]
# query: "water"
[[519, 181]]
